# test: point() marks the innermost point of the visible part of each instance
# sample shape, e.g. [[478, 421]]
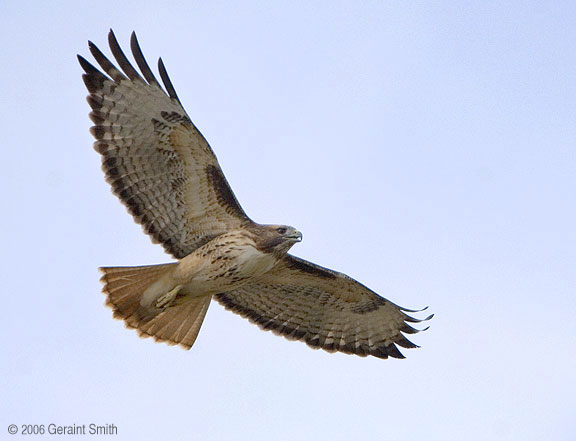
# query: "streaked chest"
[[227, 263]]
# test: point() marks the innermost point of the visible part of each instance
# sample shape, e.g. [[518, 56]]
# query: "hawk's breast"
[[225, 263]]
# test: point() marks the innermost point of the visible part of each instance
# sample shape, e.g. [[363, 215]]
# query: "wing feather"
[[105, 63], [166, 80], [156, 160], [121, 58], [326, 309], [141, 61]]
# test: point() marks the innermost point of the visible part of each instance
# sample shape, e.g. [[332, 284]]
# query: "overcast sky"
[[427, 149]]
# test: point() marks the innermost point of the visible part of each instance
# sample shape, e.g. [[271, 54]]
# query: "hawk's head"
[[276, 239]]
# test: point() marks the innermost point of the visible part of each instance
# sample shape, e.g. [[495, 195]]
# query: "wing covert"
[[156, 160]]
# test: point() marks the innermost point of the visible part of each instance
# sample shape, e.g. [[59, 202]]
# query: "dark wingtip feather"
[[141, 61], [166, 80], [407, 329], [93, 78], [94, 101], [394, 352], [105, 63], [414, 310], [404, 342], [415, 320], [121, 59], [86, 65], [380, 352]]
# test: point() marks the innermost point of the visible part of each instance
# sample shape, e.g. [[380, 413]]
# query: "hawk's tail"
[[176, 324]]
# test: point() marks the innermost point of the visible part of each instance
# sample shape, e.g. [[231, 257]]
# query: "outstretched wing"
[[326, 309], [155, 159]]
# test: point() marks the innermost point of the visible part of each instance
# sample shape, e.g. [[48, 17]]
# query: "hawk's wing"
[[158, 163], [324, 308]]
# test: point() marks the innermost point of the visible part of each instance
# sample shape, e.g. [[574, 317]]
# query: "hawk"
[[164, 171]]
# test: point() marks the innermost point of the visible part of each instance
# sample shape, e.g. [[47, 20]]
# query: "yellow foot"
[[166, 299]]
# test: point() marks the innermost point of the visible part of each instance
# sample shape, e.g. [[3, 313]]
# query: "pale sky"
[[427, 149]]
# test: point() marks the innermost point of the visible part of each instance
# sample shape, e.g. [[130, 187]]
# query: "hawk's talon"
[[165, 300]]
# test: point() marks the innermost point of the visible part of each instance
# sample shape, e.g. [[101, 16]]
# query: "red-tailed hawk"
[[161, 167]]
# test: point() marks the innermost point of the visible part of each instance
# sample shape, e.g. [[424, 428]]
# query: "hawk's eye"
[[281, 230]]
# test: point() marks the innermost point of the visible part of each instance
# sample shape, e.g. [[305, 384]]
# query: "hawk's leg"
[[165, 299]]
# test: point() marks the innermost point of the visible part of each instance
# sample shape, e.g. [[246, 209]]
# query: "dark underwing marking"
[[162, 129], [109, 161], [393, 351], [113, 172], [98, 131], [177, 186], [175, 117], [98, 117], [309, 268], [223, 192], [327, 299], [314, 342], [96, 102], [101, 147], [364, 308]]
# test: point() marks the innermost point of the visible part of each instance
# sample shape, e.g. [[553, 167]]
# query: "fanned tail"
[[178, 323]]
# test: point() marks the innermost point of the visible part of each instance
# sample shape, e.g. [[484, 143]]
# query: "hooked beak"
[[296, 236]]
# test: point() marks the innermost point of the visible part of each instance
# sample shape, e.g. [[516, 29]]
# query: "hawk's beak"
[[296, 236]]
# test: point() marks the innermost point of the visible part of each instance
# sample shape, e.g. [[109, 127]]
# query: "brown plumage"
[[164, 171]]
